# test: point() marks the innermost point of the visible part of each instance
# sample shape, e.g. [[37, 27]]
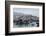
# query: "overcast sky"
[[30, 11]]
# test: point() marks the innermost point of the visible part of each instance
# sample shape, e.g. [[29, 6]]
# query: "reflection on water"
[[33, 24]]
